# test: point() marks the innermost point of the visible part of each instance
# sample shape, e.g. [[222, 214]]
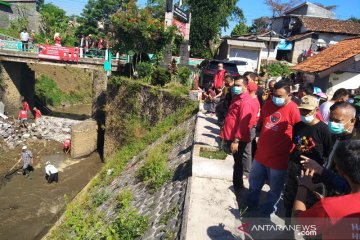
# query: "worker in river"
[[52, 174], [67, 145], [27, 159]]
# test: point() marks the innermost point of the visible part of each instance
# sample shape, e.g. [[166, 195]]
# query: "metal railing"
[[90, 53], [18, 46]]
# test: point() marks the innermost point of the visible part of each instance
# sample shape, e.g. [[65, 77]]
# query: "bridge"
[[17, 79]]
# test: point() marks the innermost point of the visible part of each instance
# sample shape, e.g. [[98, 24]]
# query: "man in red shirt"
[[219, 78], [277, 117], [255, 106], [236, 128], [67, 145], [23, 118], [333, 217], [37, 113], [26, 106]]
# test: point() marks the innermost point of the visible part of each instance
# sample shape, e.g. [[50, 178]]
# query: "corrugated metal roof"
[[245, 43]]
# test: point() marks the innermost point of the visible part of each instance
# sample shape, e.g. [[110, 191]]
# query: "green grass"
[[220, 154], [168, 215]]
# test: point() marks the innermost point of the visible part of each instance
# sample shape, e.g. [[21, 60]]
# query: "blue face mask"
[[337, 128], [307, 119], [236, 90], [278, 101]]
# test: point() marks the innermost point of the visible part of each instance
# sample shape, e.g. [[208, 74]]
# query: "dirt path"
[[28, 207]]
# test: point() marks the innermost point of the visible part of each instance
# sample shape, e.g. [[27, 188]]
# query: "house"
[[308, 29], [251, 48], [11, 10], [335, 67]]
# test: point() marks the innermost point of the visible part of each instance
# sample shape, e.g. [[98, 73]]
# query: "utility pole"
[[271, 30]]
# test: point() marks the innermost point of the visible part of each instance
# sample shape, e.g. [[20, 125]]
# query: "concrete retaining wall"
[[84, 138]]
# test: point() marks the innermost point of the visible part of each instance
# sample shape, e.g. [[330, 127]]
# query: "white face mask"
[[307, 119]]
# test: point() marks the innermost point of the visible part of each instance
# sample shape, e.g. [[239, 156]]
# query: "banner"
[[59, 53], [181, 26]]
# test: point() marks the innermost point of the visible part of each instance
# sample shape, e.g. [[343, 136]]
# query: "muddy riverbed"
[[30, 206]]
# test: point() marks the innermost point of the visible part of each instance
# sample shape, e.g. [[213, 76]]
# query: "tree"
[[137, 30], [279, 7], [354, 19], [260, 25], [53, 19], [96, 11], [240, 29], [208, 17]]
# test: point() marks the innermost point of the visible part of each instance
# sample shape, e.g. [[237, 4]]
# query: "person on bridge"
[[37, 114], [67, 145], [52, 174], [23, 118], [57, 39], [27, 159], [24, 37]]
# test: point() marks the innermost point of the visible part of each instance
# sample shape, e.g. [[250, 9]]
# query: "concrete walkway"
[[212, 207]]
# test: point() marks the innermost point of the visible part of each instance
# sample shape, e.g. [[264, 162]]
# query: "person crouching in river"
[[52, 174]]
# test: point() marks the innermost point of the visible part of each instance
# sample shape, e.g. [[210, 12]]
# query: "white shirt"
[[325, 110], [24, 36], [50, 169]]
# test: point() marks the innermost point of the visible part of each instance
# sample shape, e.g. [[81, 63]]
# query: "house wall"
[[298, 48], [348, 80], [26, 9], [313, 10], [277, 25], [327, 37], [273, 51]]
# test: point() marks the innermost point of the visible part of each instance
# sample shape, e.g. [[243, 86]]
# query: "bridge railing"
[[18, 46], [89, 53]]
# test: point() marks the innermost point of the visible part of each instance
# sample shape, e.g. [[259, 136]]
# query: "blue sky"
[[252, 8]]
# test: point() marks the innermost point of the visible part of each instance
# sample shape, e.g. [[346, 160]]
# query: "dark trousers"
[[27, 170], [238, 165], [25, 45], [54, 177], [248, 153]]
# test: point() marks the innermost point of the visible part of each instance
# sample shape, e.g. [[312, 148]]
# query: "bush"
[[184, 75], [129, 224], [278, 69], [144, 69], [160, 77], [48, 91]]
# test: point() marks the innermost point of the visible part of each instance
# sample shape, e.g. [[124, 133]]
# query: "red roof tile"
[[316, 24], [331, 56]]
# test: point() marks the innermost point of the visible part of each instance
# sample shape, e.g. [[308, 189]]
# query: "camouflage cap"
[[309, 102]]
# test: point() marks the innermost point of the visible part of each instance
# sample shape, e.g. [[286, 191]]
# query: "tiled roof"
[[331, 56], [315, 24], [298, 36]]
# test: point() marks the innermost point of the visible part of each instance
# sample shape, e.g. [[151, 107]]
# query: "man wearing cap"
[[52, 174], [27, 159], [312, 139]]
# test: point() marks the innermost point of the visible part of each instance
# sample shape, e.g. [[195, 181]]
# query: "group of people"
[[92, 45], [281, 135], [24, 111], [51, 172], [26, 39]]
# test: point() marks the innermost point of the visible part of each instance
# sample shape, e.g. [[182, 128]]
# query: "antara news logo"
[[302, 230]]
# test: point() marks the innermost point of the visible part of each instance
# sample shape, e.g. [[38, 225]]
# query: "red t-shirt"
[[255, 111], [23, 114], [219, 79], [237, 120], [334, 217], [275, 143], [37, 114], [67, 143], [26, 106]]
